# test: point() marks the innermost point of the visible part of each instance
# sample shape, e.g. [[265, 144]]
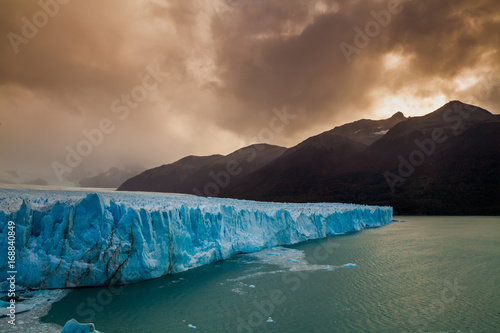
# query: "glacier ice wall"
[[75, 239]]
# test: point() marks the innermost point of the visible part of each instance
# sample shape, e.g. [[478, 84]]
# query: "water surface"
[[430, 274]]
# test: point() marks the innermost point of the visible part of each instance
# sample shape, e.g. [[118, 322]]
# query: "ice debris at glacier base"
[[73, 239]]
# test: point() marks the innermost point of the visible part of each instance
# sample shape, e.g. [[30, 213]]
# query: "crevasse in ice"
[[74, 239]]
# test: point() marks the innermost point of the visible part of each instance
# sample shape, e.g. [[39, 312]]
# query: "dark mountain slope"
[[295, 175], [294, 172], [447, 162], [199, 174]]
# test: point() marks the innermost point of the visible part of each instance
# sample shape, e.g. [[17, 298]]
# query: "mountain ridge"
[[192, 174], [444, 162]]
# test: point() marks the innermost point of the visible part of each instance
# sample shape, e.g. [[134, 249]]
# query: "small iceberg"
[[192, 326], [72, 326], [270, 320], [349, 265]]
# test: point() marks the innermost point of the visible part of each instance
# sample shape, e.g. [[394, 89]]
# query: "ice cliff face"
[[76, 239]]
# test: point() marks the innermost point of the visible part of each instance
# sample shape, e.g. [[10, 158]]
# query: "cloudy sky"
[[169, 78]]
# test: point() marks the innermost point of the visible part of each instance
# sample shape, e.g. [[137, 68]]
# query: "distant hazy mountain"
[[37, 181], [12, 177], [446, 162], [204, 175], [112, 178], [12, 173]]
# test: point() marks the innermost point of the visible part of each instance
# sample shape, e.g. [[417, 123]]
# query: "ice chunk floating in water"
[[73, 326], [76, 239], [349, 265], [286, 259], [282, 258]]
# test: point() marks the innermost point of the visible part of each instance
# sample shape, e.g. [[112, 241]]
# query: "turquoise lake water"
[[430, 274]]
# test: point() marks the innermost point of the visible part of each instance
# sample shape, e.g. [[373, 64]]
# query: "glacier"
[[67, 239]]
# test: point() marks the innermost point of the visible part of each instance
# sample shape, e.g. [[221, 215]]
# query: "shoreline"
[[38, 304]]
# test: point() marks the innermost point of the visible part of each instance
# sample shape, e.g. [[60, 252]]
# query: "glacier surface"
[[70, 239]]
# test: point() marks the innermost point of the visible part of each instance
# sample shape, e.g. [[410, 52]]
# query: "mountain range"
[[446, 163], [112, 178], [204, 175], [11, 177]]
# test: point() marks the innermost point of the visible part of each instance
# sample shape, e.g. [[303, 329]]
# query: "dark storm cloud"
[[309, 70], [230, 64]]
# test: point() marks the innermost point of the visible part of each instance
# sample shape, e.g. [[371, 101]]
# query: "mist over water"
[[431, 274]]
